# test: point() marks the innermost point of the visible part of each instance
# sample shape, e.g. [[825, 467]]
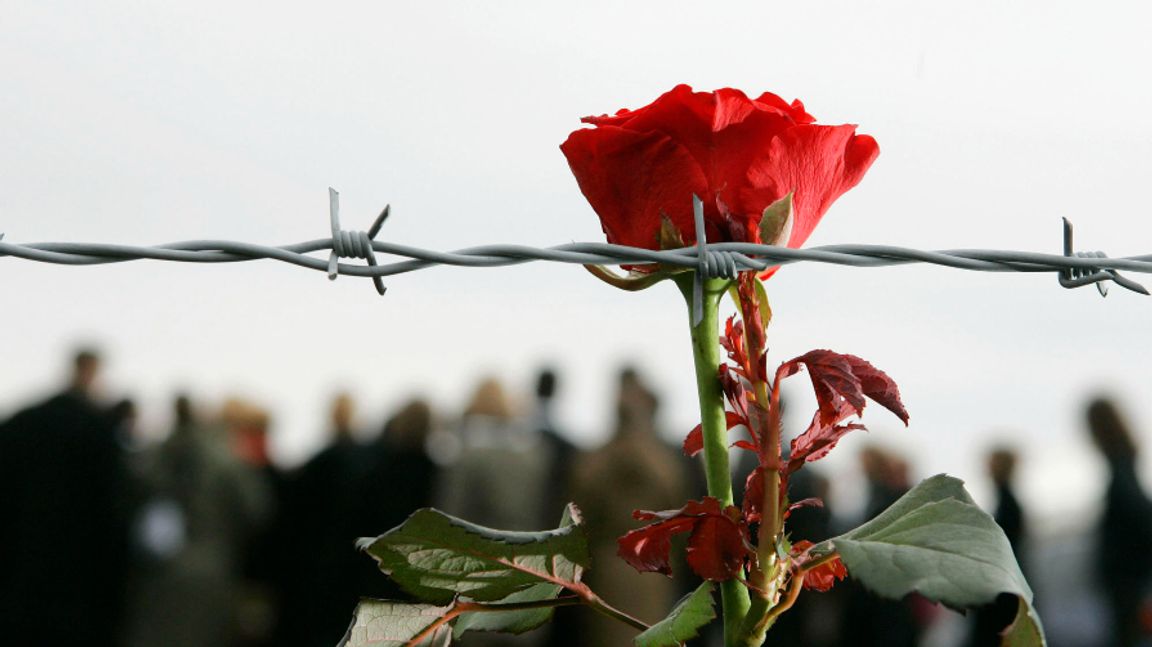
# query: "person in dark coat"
[[402, 480], [563, 631], [988, 621], [1008, 514], [63, 520], [1125, 532], [870, 620], [322, 503], [561, 452], [634, 470]]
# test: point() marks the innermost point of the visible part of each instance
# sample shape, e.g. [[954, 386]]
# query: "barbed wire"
[[1075, 269]]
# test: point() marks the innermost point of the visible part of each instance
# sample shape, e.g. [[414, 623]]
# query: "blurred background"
[[142, 123]]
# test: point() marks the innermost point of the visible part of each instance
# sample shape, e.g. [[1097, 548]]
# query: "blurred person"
[[501, 477], [869, 620], [322, 501], [247, 431], [63, 519], [204, 505], [401, 480], [122, 418], [634, 470], [560, 451], [499, 480], [563, 631], [1008, 514], [1125, 531], [989, 620], [262, 568]]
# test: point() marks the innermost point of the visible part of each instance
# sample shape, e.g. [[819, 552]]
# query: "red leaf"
[[744, 444], [716, 550], [694, 442], [819, 439], [810, 502], [733, 340], [799, 548], [822, 577], [832, 380], [877, 385], [838, 378], [646, 549], [734, 390]]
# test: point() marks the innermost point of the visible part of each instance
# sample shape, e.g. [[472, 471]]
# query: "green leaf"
[[1025, 630], [436, 557], [386, 623], [515, 622], [776, 222], [690, 614], [937, 542]]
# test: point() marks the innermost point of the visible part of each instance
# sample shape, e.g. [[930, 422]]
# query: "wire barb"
[[701, 261], [1074, 277], [352, 244], [710, 263]]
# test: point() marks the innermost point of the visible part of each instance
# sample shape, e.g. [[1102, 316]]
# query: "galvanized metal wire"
[[1075, 269], [746, 256]]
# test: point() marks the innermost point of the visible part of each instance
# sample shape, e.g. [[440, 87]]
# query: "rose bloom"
[[738, 154]]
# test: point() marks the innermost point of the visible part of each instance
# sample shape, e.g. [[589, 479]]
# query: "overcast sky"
[[134, 122]]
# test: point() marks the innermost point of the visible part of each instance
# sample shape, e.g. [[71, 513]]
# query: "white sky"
[[138, 122]]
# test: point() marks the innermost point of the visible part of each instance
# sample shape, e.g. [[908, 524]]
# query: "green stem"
[[477, 607], [714, 424], [762, 615], [753, 631], [706, 353], [481, 607], [597, 603]]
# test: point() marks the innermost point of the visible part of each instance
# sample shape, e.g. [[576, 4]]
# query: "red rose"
[[738, 154]]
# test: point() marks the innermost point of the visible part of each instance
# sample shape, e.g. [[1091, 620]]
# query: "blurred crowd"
[[201, 540]]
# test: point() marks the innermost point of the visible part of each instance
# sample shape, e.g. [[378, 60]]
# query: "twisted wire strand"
[[723, 257]]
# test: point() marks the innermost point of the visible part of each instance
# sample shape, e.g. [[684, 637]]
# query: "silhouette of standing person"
[[563, 631], [324, 498], [560, 451], [869, 620], [1125, 534], [1008, 514], [402, 479], [634, 470], [500, 478], [988, 621], [63, 527]]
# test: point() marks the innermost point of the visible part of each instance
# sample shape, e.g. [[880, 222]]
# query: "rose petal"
[[632, 179]]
